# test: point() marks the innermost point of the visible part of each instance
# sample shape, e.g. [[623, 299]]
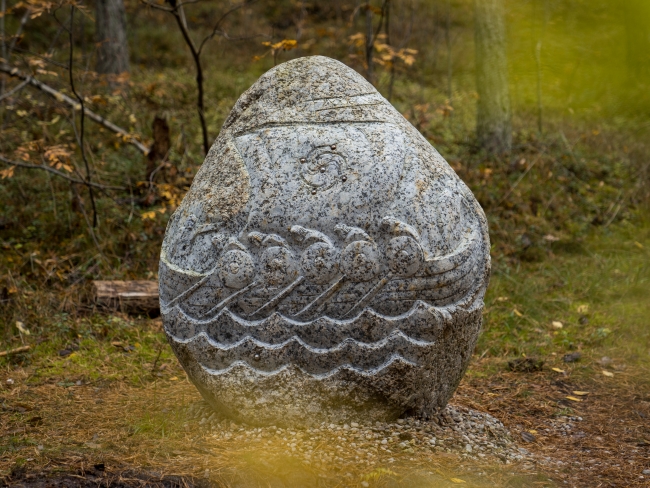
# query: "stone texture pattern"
[[327, 263]]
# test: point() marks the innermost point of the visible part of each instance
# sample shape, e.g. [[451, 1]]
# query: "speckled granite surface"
[[327, 263]]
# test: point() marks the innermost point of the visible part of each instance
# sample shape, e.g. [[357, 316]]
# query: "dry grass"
[[609, 447], [152, 428]]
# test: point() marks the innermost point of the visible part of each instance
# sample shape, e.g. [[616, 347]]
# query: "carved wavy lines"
[[394, 362], [249, 340], [314, 361], [421, 323]]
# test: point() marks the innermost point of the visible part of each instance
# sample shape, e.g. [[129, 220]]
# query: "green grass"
[[598, 288]]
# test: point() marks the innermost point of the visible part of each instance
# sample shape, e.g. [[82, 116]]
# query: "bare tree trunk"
[[637, 26], [113, 50], [493, 125]]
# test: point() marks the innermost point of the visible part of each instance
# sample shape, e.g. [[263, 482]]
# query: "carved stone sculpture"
[[327, 263]]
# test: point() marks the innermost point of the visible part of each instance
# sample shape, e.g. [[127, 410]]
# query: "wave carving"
[[264, 357], [422, 323], [393, 362]]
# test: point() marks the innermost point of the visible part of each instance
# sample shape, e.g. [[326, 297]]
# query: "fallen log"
[[140, 296]]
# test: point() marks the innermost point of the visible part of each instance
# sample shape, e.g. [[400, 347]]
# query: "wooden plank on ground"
[[138, 296]]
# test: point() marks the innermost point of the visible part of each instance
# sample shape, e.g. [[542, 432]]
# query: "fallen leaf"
[[573, 399], [580, 393], [638, 244], [583, 308], [558, 370], [173, 378], [502, 299], [517, 313], [528, 437], [456, 480], [557, 325], [609, 374], [21, 327]]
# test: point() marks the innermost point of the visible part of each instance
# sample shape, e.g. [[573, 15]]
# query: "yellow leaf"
[[45, 72], [573, 399], [7, 173], [638, 244], [557, 325], [502, 299], [174, 378], [21, 327], [517, 313], [456, 480], [149, 215], [609, 374], [583, 308], [580, 393], [558, 370]]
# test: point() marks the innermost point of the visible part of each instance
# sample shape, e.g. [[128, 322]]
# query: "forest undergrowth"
[[570, 288]]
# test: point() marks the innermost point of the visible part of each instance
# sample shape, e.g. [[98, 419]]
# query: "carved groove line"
[[345, 367]]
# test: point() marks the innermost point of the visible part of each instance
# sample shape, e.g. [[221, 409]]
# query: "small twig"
[[14, 90], [216, 29], [83, 212], [512, 188], [44, 58], [15, 351], [19, 31], [82, 119], [13, 71], [60, 174], [155, 363]]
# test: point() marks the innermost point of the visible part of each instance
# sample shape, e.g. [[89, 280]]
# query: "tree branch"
[[82, 119], [13, 90], [60, 174], [216, 29], [12, 71]]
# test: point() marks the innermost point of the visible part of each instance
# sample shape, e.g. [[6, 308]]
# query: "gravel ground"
[[458, 430]]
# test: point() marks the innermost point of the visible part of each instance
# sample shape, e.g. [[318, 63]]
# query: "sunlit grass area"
[[593, 294]]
